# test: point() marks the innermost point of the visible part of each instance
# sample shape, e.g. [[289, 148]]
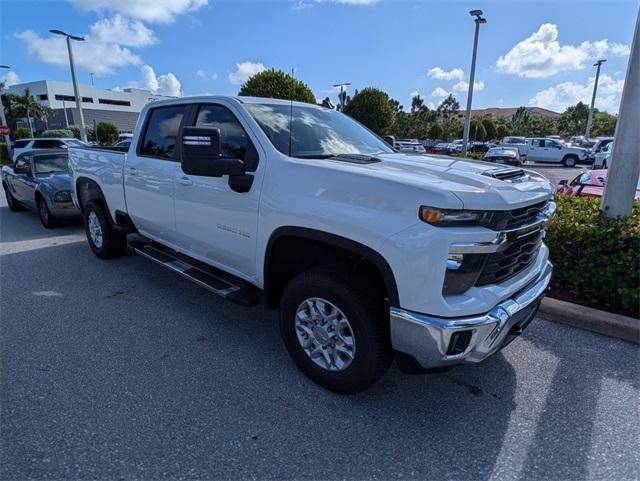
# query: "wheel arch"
[[328, 248]]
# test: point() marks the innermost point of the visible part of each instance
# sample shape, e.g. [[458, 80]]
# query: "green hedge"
[[596, 258]]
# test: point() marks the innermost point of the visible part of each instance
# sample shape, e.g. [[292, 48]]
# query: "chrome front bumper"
[[427, 340]]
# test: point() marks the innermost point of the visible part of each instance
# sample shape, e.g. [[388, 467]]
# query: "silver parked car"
[[39, 180]]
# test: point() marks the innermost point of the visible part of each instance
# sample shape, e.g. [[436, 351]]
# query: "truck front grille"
[[512, 219], [504, 264]]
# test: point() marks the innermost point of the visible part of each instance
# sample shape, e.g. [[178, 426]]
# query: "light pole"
[[3, 120], [76, 93], [342, 95], [593, 98], [467, 118]]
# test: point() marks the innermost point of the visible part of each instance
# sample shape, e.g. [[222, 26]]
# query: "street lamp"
[[467, 119], [593, 97], [3, 119], [342, 94], [83, 132]]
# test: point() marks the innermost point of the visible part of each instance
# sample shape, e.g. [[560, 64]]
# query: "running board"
[[181, 265]]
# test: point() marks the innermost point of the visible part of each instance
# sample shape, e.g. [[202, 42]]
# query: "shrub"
[[596, 257], [61, 133], [22, 133], [106, 133], [372, 108]]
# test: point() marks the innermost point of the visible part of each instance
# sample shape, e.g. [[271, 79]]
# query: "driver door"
[[214, 222], [22, 182]]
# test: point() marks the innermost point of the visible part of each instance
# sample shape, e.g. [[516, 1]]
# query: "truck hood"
[[478, 185]]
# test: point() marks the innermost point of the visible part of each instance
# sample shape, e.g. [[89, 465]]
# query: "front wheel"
[[570, 161], [47, 219], [104, 240], [334, 328]]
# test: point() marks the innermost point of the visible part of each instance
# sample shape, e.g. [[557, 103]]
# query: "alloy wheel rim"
[[44, 213], [325, 335], [95, 230]]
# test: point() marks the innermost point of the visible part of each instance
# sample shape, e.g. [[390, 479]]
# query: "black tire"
[[46, 217], [110, 243], [14, 205], [350, 291], [570, 160]]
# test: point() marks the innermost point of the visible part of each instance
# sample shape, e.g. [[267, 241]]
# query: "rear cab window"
[[20, 144], [161, 132]]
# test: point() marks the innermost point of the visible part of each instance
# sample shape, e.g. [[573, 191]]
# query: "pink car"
[[589, 183]]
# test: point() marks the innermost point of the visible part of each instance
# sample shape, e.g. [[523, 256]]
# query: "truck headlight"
[[62, 196], [452, 217]]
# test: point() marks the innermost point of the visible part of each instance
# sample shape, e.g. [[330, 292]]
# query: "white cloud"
[[9, 78], [122, 31], [439, 92], [441, 74], [165, 84], [463, 86], [203, 74], [565, 94], [92, 55], [415, 93], [244, 71], [541, 55], [160, 11], [431, 106]]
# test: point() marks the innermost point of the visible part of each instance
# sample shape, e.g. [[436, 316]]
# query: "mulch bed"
[[563, 293]]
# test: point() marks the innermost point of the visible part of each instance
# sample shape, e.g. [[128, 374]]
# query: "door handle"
[[185, 181], [133, 171]]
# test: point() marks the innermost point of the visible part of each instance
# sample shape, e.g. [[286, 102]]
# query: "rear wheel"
[[333, 324], [570, 160], [47, 219], [14, 205], [104, 240]]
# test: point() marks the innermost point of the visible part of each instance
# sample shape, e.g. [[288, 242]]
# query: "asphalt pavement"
[[122, 370]]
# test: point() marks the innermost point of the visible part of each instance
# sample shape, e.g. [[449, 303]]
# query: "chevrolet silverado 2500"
[[367, 253]]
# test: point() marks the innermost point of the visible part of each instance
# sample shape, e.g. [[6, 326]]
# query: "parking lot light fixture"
[[76, 92], [479, 20], [3, 120], [597, 65]]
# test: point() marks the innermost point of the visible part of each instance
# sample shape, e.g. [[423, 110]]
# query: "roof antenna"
[[293, 70]]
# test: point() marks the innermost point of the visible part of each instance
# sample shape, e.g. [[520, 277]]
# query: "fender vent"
[[507, 175]]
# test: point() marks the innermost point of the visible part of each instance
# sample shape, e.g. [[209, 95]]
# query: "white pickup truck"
[[369, 254], [555, 151]]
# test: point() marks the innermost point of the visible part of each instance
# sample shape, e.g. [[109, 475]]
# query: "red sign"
[[4, 130]]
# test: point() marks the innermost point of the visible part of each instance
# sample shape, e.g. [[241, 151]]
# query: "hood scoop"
[[508, 175], [356, 158]]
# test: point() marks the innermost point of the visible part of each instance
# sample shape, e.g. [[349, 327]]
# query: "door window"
[[550, 143], [537, 143], [47, 144], [162, 132], [235, 142], [20, 144]]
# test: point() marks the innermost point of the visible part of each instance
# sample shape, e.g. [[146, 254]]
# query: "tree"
[[106, 133], [435, 131], [372, 108], [490, 127], [277, 85], [417, 104], [573, 121], [521, 122], [26, 106], [502, 130], [22, 133], [58, 133], [604, 124], [449, 107], [477, 130]]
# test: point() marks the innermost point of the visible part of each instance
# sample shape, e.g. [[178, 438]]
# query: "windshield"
[[317, 133], [50, 163], [513, 140]]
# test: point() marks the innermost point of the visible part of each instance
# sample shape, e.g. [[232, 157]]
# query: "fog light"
[[459, 342]]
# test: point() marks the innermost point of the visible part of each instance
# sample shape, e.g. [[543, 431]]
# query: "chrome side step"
[[195, 273]]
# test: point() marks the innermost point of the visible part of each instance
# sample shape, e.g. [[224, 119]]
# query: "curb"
[[602, 322]]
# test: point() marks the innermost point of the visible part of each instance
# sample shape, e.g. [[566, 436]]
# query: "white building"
[[119, 107]]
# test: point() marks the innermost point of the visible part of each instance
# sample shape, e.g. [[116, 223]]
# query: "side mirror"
[[562, 182], [202, 153]]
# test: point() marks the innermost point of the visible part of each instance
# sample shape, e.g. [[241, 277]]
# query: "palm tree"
[[28, 107]]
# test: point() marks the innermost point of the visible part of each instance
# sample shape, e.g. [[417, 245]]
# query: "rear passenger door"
[[150, 172], [216, 223]]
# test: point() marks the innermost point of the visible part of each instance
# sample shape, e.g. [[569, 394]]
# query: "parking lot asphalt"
[[122, 370], [556, 173]]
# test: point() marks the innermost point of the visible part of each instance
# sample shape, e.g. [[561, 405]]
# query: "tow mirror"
[[201, 153]]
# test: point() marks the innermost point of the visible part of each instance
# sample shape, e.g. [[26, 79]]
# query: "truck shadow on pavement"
[[25, 226], [134, 372]]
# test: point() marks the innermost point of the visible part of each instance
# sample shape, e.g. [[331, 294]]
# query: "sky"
[[530, 53]]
